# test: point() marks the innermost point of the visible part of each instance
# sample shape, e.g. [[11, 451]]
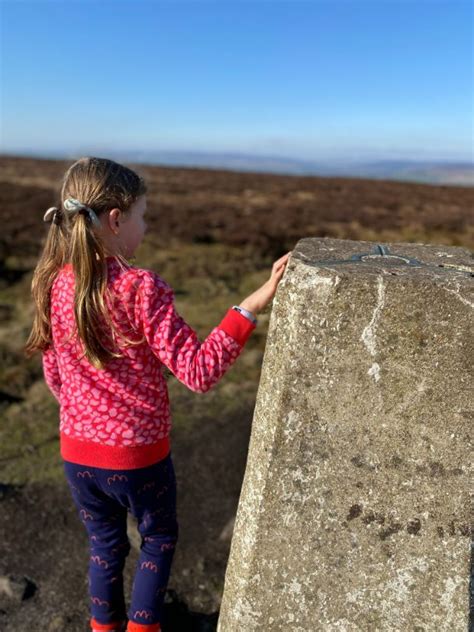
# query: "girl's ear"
[[114, 218]]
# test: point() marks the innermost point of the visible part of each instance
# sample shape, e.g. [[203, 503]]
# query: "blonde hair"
[[102, 185]]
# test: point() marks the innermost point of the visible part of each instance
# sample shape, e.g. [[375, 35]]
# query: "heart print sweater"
[[119, 417]]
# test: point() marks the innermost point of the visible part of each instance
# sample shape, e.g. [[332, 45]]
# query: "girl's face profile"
[[136, 225]]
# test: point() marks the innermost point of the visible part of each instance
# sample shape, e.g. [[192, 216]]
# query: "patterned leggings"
[[103, 497]]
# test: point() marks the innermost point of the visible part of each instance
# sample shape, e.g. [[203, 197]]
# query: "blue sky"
[[305, 79]]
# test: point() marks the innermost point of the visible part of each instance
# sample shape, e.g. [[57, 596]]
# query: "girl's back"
[[120, 416]]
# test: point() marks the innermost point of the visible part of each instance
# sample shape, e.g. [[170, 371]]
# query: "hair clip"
[[53, 214], [74, 206], [71, 205]]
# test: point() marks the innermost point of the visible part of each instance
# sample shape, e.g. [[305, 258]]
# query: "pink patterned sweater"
[[119, 417]]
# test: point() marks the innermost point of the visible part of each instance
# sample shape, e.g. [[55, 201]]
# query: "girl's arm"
[[198, 365], [51, 371]]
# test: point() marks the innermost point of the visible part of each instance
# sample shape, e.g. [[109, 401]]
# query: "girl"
[[105, 329]]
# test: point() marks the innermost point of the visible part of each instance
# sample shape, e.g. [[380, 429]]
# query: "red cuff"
[[237, 325]]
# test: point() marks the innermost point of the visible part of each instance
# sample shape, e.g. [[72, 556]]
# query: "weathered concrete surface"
[[354, 511]]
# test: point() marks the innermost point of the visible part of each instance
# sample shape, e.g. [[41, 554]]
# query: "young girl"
[[105, 329]]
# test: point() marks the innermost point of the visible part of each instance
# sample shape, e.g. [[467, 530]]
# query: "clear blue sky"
[[308, 79]]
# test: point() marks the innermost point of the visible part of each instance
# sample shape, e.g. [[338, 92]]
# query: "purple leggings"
[[103, 497]]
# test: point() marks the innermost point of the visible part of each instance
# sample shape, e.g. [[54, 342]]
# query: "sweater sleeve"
[[51, 371], [198, 365]]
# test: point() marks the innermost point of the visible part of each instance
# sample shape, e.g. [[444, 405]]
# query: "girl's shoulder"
[[145, 280], [144, 274], [143, 292]]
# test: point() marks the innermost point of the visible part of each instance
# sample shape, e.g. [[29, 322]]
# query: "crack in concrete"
[[368, 336]]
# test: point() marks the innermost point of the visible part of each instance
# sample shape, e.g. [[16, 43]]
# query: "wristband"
[[245, 313]]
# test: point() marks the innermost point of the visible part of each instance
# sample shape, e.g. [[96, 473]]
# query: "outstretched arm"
[[198, 365]]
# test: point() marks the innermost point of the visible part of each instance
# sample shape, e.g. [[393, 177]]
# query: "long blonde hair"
[[102, 185]]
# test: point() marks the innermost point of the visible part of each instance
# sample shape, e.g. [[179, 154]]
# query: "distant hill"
[[413, 171], [430, 172]]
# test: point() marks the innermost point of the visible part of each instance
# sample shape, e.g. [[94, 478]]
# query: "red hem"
[[112, 457]]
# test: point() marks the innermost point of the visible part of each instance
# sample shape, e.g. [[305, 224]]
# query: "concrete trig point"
[[354, 512]]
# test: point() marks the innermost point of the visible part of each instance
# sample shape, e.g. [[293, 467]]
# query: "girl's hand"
[[259, 299]]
